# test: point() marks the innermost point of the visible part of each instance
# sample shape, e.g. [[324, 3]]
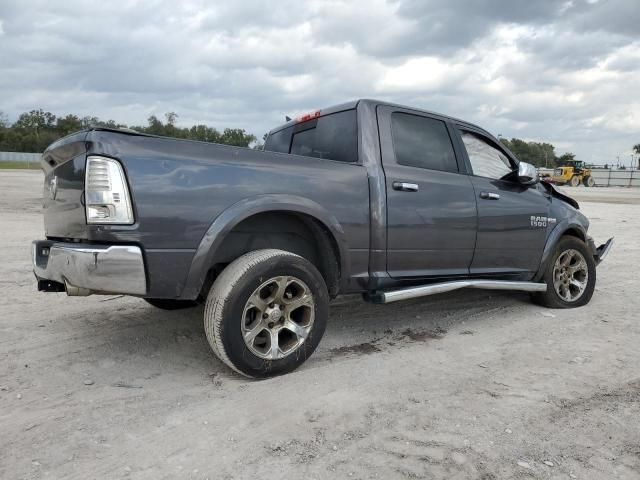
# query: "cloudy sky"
[[567, 72]]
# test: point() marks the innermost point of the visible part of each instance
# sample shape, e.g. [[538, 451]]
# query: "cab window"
[[486, 160], [422, 142]]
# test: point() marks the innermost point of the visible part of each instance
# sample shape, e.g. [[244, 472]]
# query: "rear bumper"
[[600, 252], [84, 269]]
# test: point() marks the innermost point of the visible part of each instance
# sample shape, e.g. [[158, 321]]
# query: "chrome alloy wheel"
[[278, 317], [570, 275]]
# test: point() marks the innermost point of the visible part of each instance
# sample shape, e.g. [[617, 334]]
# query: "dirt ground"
[[473, 384]]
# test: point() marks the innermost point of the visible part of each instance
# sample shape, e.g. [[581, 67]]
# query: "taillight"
[[107, 197]]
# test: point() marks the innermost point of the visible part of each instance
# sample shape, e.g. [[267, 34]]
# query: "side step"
[[432, 289]]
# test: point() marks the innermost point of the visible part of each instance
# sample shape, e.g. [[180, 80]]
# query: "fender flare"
[[560, 229], [236, 213]]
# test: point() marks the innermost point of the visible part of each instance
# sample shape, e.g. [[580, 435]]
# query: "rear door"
[[431, 206], [512, 218]]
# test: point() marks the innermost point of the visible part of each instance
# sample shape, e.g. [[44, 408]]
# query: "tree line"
[[35, 130], [538, 154], [543, 154]]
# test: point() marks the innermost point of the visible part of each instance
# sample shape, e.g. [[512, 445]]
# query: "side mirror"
[[527, 174]]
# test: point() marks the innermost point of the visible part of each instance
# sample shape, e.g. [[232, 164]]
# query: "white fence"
[[20, 157], [609, 177]]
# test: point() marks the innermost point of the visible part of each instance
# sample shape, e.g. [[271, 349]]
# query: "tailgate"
[[62, 195]]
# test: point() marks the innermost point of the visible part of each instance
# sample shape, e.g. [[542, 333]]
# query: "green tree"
[[204, 133], [535, 153], [35, 130], [68, 124], [237, 137], [88, 122], [171, 118], [35, 120], [4, 121], [156, 127]]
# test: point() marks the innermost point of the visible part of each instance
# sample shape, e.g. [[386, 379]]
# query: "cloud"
[[567, 72]]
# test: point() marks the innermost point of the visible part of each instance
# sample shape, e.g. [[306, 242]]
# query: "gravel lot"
[[474, 384]]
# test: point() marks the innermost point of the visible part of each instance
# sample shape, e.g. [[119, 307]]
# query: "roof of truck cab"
[[354, 104], [323, 111]]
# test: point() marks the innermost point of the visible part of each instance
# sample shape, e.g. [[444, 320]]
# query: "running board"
[[434, 288]]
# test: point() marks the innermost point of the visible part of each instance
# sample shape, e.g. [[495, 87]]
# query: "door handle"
[[405, 187], [489, 196]]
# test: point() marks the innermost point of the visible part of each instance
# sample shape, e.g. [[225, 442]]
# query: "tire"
[[553, 297], [255, 297], [588, 181], [171, 304], [575, 181]]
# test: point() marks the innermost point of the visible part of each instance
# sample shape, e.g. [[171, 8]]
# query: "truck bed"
[[180, 187]]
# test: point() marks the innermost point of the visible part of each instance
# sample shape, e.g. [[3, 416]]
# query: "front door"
[[431, 206], [512, 218]]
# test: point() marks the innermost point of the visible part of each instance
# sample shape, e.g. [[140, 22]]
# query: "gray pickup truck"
[[386, 200]]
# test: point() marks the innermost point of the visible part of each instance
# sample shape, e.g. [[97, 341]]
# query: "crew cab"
[[389, 201]]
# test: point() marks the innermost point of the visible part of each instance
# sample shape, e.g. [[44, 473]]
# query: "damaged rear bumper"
[[84, 269]]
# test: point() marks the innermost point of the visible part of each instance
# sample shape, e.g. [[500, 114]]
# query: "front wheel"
[[575, 181], [570, 275], [266, 313]]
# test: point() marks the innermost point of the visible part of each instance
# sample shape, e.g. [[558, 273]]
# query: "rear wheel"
[[570, 275], [266, 313], [170, 304], [575, 181], [588, 181]]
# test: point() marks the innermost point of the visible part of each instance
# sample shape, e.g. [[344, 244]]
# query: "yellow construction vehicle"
[[573, 173]]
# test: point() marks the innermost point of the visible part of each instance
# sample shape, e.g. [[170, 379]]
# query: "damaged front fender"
[[599, 253]]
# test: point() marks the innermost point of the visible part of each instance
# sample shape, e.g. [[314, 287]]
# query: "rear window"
[[332, 137], [279, 141]]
